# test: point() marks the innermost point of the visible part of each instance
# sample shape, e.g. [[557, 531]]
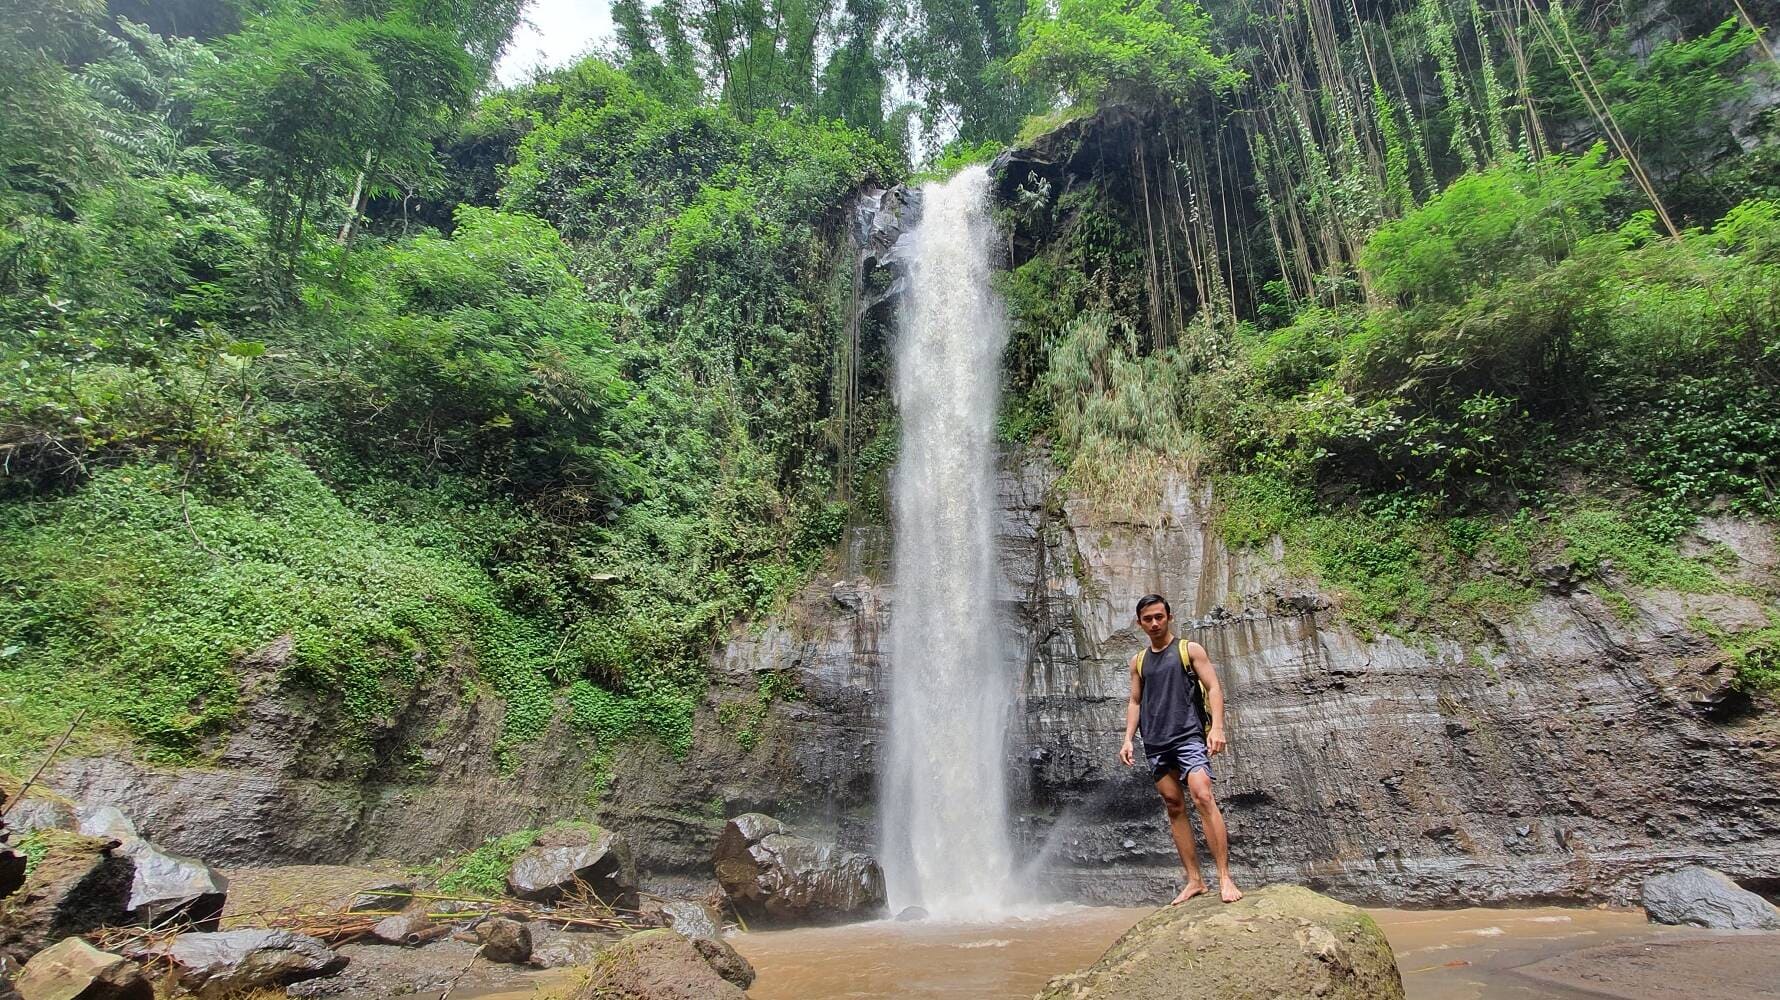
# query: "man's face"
[[1154, 619]]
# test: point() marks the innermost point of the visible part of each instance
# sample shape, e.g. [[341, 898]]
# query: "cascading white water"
[[944, 809]]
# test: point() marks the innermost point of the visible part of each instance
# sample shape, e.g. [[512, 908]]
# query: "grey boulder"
[[1700, 897], [167, 888], [212, 965], [573, 858], [772, 875], [75, 970]]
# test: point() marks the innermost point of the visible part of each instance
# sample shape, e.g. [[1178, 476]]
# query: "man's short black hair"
[[1149, 599]]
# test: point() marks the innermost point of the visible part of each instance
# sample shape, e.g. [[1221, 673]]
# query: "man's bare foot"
[[1192, 889], [1230, 893]]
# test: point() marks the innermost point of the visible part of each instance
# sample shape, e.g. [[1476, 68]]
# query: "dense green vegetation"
[[1440, 353], [566, 433], [308, 330]]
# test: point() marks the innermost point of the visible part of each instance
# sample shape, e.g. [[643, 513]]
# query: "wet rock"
[[1700, 897], [774, 875], [655, 965], [1279, 941], [726, 960], [693, 920], [505, 940], [80, 884], [909, 913], [167, 888], [75, 970], [212, 965], [566, 858]]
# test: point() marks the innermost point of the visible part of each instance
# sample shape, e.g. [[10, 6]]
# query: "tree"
[[1154, 51], [297, 103]]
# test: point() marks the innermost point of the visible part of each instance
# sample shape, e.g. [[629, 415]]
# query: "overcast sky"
[[554, 32]]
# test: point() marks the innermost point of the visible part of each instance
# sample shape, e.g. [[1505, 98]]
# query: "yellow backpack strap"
[[1186, 663]]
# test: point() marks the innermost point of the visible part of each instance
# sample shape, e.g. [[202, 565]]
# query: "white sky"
[[553, 33]]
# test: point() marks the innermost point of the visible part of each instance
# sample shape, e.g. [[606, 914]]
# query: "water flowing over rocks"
[[74, 970], [1277, 943], [771, 874], [1700, 897], [1542, 765]]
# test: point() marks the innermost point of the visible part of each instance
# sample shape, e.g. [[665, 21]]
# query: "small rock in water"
[[912, 913], [75, 970]]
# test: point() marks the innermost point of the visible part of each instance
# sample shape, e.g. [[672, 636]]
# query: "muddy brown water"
[[1474, 954]]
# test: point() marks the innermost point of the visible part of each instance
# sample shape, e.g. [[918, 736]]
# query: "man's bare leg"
[[1180, 826], [1216, 837]]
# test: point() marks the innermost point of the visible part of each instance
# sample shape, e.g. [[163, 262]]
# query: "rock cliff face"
[[1562, 761]]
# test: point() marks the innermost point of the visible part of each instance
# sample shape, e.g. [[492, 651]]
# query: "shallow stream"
[[1444, 955]]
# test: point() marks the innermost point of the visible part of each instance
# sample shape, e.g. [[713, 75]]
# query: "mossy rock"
[[1281, 942]]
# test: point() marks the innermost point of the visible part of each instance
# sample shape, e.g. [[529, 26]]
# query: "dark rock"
[[1700, 897], [909, 913], [726, 960], [167, 888], [505, 940], [573, 858], [79, 885], [655, 965], [1278, 941], [74, 970], [12, 871], [773, 875], [213, 965]]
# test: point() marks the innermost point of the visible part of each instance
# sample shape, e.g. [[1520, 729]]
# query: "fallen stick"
[[46, 762]]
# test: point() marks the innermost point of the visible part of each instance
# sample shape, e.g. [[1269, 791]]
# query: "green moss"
[[1754, 654]]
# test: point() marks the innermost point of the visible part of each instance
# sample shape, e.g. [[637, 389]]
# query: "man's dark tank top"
[[1168, 708]]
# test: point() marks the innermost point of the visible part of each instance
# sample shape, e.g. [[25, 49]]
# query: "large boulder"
[[211, 965], [35, 808], [75, 970], [771, 874], [691, 919], [655, 965], [167, 888], [574, 857], [1282, 942], [1700, 897], [78, 885]]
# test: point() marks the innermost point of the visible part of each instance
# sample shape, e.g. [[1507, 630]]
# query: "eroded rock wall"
[[1564, 759]]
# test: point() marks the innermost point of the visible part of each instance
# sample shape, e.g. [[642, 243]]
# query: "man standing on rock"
[[1173, 685]]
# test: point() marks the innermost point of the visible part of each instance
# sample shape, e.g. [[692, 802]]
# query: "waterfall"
[[944, 808]]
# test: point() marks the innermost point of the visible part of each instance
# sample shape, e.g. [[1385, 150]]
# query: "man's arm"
[[1125, 752], [1214, 696]]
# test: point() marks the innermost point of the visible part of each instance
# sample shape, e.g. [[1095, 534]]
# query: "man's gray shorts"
[[1182, 760]]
